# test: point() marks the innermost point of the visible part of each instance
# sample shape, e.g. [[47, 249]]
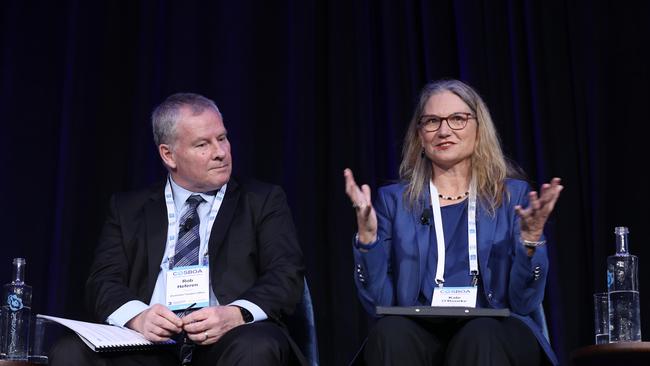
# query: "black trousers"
[[397, 340], [261, 343]]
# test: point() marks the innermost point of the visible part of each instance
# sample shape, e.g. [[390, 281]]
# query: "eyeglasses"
[[455, 121]]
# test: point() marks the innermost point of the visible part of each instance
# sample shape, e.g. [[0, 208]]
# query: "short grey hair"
[[166, 115]]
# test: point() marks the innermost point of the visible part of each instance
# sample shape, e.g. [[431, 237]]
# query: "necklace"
[[451, 198]]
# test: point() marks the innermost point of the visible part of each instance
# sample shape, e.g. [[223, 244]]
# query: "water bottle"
[[16, 313], [623, 292]]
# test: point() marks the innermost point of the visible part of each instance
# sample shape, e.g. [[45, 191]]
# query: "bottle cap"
[[620, 230]]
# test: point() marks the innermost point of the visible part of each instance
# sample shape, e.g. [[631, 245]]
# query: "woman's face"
[[447, 147]]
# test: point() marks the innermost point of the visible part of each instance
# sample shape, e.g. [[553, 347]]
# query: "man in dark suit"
[[201, 219]]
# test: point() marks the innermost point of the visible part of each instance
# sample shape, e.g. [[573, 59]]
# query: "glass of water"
[[601, 317], [41, 340]]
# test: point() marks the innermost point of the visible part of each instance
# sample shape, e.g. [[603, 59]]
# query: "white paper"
[[104, 336]]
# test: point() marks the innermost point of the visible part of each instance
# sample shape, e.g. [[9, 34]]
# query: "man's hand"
[[157, 323], [208, 325]]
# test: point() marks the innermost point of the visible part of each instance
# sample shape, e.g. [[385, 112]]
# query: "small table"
[[612, 354]]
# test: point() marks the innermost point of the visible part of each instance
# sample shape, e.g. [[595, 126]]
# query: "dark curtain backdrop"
[[308, 88]]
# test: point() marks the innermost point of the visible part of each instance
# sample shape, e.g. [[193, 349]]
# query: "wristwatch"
[[246, 315]]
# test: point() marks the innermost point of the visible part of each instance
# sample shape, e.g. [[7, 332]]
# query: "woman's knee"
[[401, 340], [396, 327], [480, 328]]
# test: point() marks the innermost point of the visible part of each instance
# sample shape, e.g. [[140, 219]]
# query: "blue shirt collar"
[[181, 194]]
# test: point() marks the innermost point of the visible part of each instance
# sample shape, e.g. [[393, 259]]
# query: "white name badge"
[[186, 286], [454, 296]]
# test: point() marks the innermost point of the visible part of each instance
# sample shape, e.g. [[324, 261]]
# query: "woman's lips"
[[444, 145]]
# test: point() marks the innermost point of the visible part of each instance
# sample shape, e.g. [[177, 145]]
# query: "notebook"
[[107, 338], [441, 312]]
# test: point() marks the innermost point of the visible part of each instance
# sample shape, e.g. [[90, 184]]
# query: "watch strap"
[[245, 314]]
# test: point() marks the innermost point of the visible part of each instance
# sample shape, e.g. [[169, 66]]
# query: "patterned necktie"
[[187, 246]]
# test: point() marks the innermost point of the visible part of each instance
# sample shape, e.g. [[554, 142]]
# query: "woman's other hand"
[[533, 217], [362, 203]]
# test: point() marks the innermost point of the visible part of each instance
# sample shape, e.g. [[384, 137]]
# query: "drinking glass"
[[601, 317]]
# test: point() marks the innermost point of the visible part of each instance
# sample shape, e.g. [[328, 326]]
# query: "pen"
[[184, 312]]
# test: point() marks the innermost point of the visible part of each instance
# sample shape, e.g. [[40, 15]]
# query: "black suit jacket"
[[253, 249]]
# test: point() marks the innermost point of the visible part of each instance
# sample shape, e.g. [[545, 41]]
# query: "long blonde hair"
[[489, 165]]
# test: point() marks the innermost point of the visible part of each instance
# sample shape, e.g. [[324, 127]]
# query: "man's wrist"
[[135, 323], [246, 315], [126, 312]]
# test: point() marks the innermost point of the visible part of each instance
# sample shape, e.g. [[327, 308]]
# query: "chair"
[[302, 327]]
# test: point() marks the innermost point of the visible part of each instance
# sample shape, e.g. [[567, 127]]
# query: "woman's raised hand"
[[539, 209], [362, 203]]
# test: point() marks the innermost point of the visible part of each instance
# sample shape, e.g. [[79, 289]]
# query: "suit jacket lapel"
[[485, 225], [423, 236], [223, 219], [156, 234], [156, 219]]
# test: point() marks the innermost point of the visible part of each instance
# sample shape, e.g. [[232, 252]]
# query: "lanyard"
[[440, 235], [172, 218]]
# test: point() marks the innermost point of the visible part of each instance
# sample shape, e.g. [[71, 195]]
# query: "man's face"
[[199, 160]]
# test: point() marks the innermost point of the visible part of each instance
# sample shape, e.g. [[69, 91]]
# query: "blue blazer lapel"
[[423, 236], [486, 227]]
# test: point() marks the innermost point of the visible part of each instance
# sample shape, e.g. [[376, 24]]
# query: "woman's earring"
[[422, 154]]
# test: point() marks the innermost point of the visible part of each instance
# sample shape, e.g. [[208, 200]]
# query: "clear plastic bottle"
[[623, 292], [16, 313]]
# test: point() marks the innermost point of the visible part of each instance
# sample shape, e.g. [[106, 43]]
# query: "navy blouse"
[[454, 223]]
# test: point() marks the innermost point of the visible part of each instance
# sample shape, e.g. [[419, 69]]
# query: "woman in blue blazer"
[[478, 243]]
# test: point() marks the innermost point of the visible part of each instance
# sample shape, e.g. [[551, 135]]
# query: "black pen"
[[184, 312], [183, 334]]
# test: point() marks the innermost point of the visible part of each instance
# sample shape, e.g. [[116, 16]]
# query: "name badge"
[[454, 296], [188, 285]]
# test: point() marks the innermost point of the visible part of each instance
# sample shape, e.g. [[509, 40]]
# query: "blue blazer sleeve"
[[527, 278], [373, 270]]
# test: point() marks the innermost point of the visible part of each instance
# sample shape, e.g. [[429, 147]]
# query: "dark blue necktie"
[[187, 246]]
